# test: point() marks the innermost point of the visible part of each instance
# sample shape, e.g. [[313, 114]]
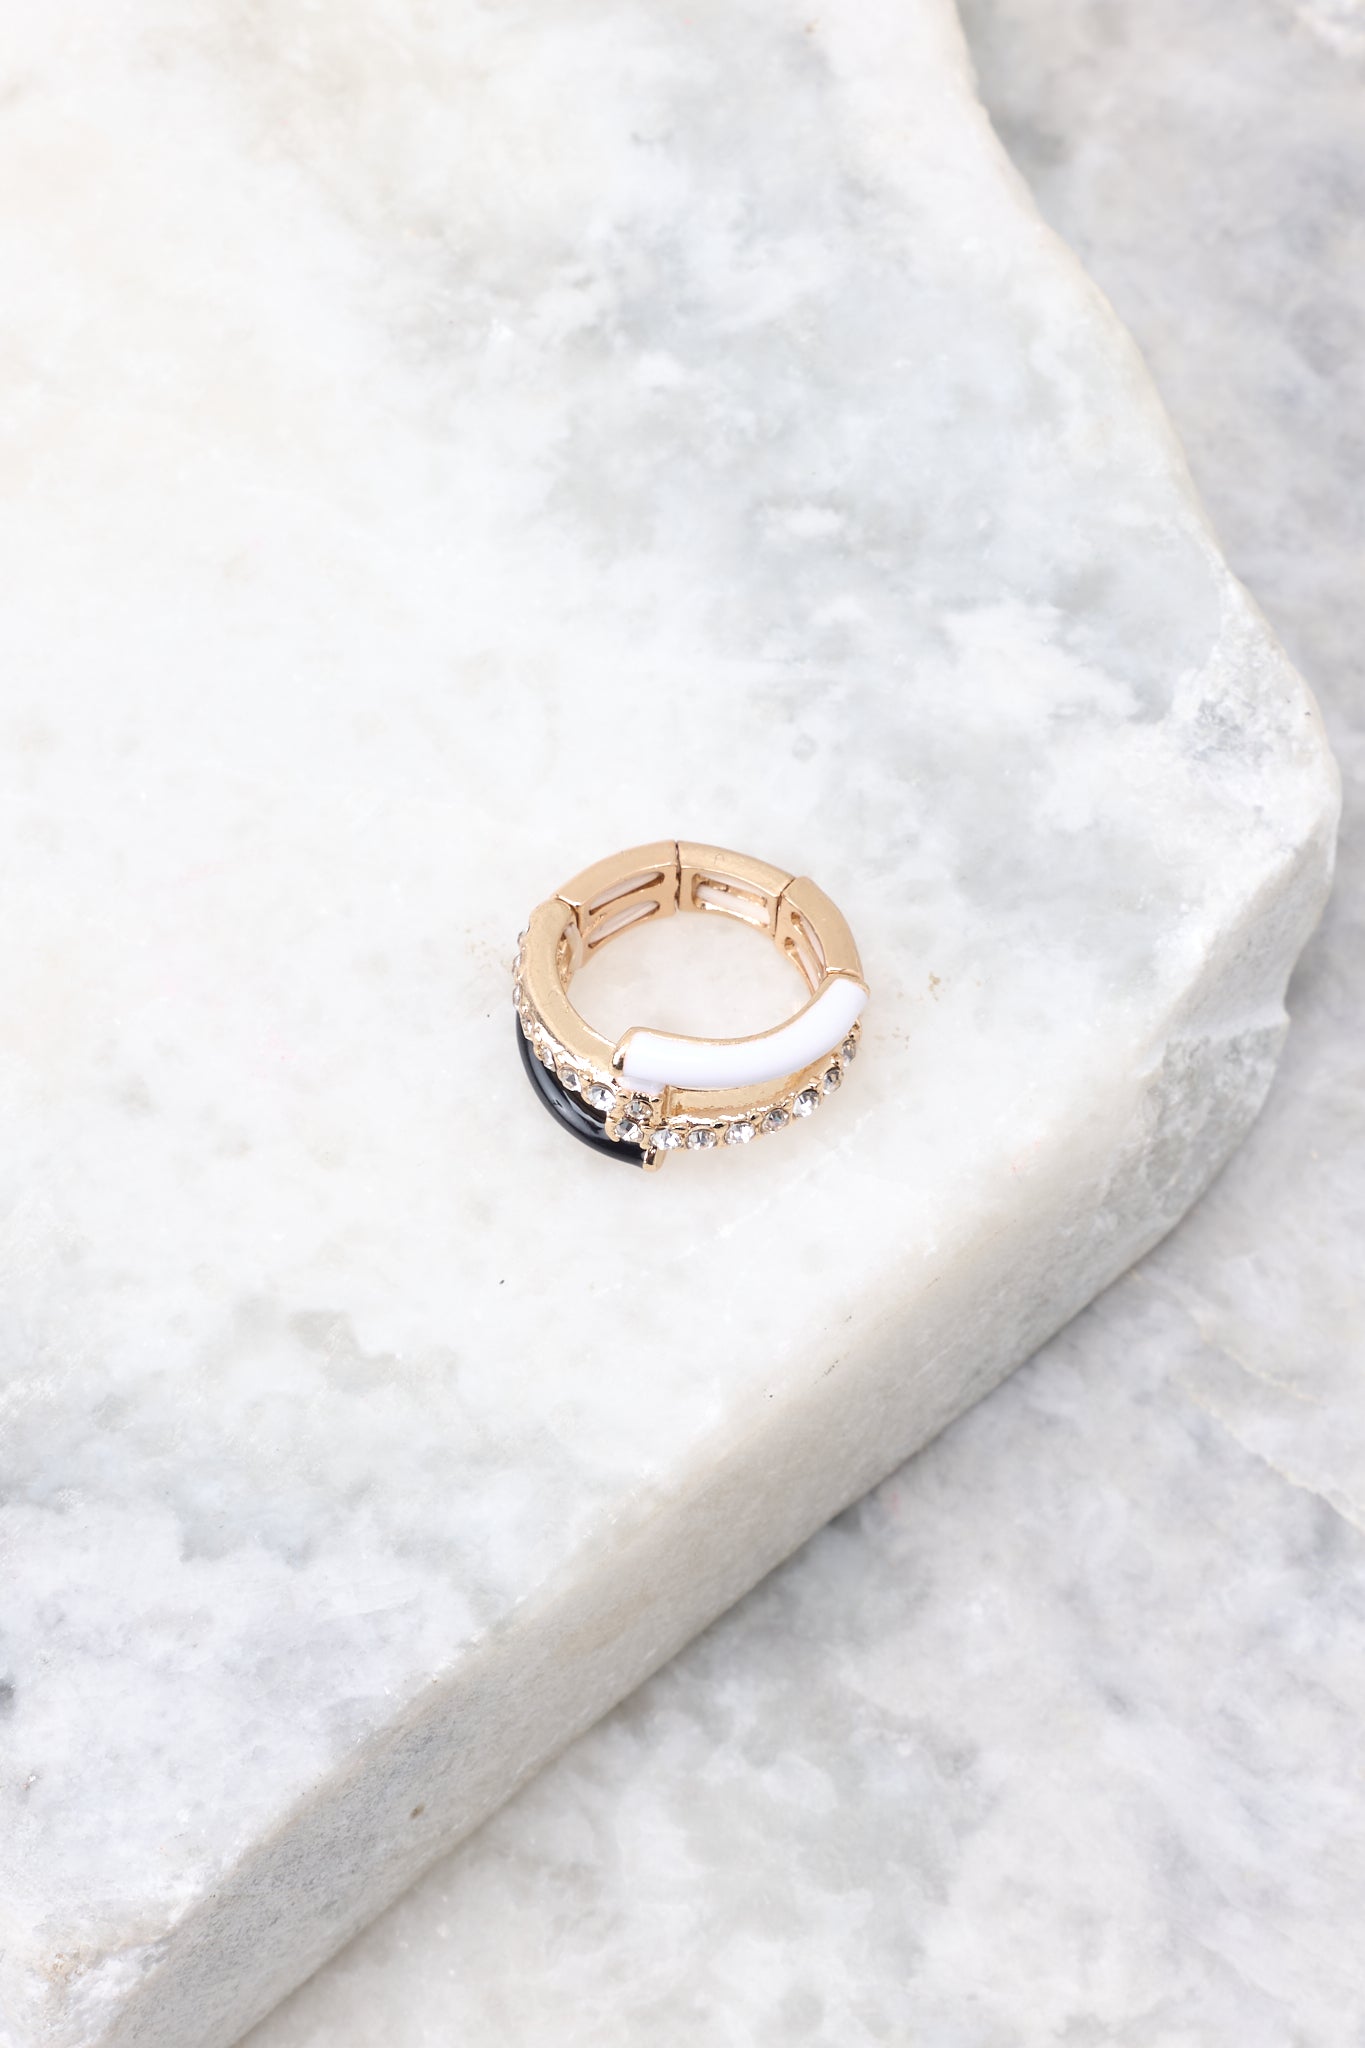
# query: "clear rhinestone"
[[546, 1055], [516, 995], [775, 1119], [628, 1131], [639, 1107], [806, 1102], [599, 1095], [701, 1137], [527, 1027], [739, 1134], [572, 1080], [667, 1139], [831, 1080], [849, 1049]]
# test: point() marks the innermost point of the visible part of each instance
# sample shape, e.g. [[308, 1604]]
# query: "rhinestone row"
[[633, 1117], [699, 1135], [597, 1089]]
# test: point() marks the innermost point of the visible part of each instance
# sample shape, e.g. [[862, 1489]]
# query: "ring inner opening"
[[705, 977]]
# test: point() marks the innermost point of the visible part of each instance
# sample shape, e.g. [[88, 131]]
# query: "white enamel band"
[[657, 1059]]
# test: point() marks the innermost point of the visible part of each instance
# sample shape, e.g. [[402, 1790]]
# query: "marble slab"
[[1058, 1735], [444, 449]]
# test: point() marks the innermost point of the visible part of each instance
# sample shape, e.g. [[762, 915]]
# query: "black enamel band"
[[586, 1123]]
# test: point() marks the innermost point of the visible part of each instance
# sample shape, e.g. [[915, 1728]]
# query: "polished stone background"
[[1058, 1736]]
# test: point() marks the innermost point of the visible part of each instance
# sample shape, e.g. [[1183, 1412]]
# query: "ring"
[[656, 1092]]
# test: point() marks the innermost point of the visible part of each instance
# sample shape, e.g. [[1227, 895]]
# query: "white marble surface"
[[419, 427], [1058, 1735]]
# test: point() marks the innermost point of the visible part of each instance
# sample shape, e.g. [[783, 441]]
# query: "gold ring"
[[656, 1092]]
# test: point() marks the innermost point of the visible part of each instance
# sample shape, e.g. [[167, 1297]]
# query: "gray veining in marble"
[[713, 366], [1059, 1734]]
